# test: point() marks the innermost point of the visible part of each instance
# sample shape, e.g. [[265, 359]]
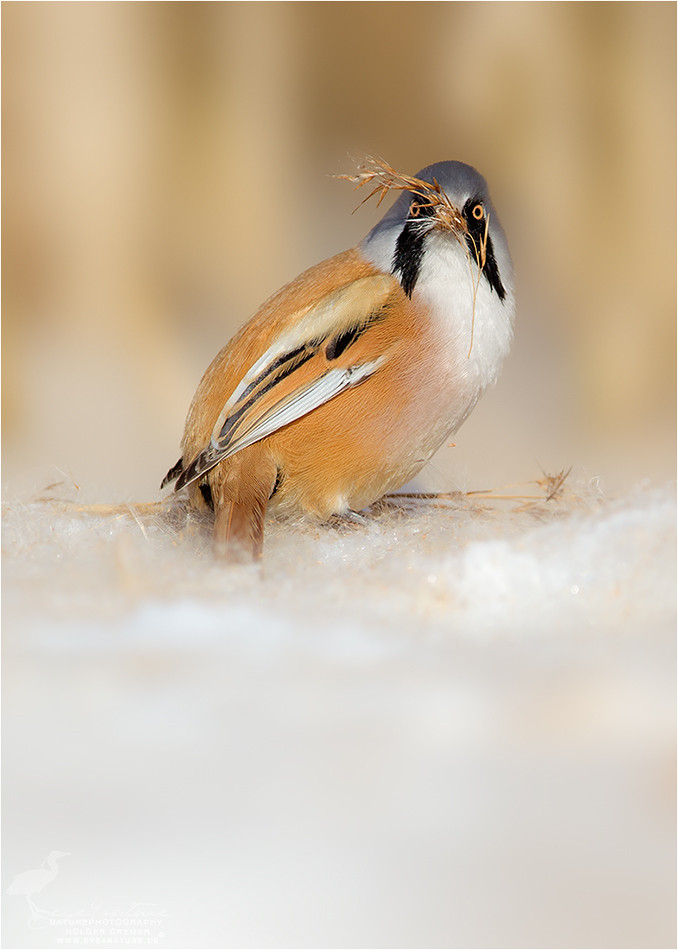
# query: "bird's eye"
[[478, 212], [414, 209]]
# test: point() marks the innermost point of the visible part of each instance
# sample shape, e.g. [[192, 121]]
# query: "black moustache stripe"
[[408, 255], [410, 246]]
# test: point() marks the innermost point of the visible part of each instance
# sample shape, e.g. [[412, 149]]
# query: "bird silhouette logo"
[[32, 882]]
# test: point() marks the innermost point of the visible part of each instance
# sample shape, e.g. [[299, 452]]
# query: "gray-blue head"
[[453, 197]]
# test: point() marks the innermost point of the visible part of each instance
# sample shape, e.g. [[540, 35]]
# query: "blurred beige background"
[[166, 168]]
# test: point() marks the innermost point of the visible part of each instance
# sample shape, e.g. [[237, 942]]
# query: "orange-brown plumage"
[[337, 390]]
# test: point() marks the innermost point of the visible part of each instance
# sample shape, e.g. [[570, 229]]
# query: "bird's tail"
[[239, 521]]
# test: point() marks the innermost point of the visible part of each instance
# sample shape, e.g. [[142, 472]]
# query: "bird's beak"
[[449, 218]]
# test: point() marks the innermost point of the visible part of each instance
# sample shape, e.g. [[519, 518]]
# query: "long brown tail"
[[239, 523]]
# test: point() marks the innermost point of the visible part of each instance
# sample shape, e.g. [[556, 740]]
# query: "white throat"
[[476, 326]]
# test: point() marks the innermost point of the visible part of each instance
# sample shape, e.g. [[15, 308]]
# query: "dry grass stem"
[[481, 257], [553, 484], [385, 178], [553, 487]]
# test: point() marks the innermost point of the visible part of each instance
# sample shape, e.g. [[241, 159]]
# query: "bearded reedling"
[[347, 380]]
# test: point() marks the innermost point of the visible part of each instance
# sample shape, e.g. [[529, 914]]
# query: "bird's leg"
[[348, 519]]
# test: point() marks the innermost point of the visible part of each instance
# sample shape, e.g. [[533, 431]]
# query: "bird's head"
[[448, 198], [55, 855]]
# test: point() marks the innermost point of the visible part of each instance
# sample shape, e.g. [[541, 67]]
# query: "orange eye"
[[478, 212]]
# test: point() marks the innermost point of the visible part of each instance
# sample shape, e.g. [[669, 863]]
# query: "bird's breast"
[[474, 326]]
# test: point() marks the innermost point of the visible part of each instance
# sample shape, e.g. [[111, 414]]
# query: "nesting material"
[[384, 178]]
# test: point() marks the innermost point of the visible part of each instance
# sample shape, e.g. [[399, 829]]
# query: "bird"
[[32, 882], [346, 381]]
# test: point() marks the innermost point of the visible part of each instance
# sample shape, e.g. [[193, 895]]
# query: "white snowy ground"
[[450, 727]]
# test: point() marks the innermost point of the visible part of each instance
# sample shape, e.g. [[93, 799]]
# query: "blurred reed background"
[[166, 168]]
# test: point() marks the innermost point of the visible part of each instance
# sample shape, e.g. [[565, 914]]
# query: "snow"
[[451, 726]]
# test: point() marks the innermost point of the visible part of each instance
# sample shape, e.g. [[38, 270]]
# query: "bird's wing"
[[306, 365]]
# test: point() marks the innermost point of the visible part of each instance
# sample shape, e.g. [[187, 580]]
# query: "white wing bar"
[[293, 406], [304, 400]]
